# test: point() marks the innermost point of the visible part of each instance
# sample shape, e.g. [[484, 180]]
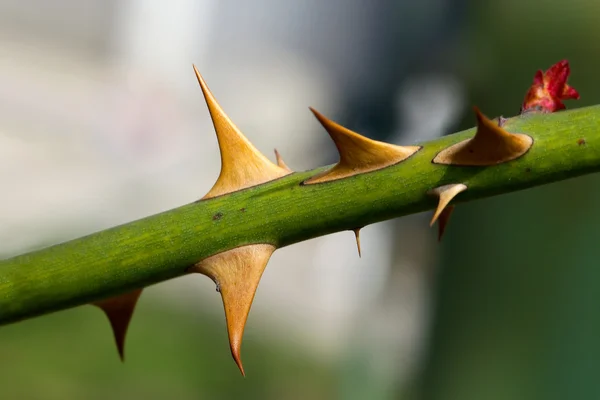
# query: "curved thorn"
[[242, 165], [237, 273], [119, 311], [358, 154], [491, 145], [443, 221], [280, 161], [445, 194]]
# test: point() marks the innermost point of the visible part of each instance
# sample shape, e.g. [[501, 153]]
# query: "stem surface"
[[283, 212]]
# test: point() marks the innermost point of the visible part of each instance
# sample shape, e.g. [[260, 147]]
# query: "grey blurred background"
[[102, 122]]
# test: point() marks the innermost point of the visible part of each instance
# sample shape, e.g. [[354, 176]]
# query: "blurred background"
[[102, 122]]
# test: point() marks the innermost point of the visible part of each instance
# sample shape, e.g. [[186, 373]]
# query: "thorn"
[[502, 121], [443, 221], [237, 273], [280, 161], [358, 154], [491, 145], [242, 165], [119, 310], [357, 235], [445, 194]]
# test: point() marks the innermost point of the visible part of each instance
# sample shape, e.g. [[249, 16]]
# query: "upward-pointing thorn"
[[491, 145], [358, 154], [119, 311], [236, 273], [242, 165], [280, 161]]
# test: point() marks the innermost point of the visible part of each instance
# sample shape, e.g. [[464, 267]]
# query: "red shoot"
[[549, 89]]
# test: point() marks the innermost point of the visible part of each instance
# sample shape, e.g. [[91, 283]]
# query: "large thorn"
[[491, 145], [236, 273], [242, 165], [358, 154], [445, 194], [119, 310]]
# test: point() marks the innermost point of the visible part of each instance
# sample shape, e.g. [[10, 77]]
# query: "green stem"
[[284, 212]]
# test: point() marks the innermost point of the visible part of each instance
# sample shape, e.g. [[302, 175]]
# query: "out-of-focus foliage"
[[71, 355], [517, 289], [516, 286]]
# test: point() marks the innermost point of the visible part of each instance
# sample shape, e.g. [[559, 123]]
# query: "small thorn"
[[443, 221], [445, 194], [358, 154], [242, 165], [357, 235], [491, 145], [119, 311], [280, 161], [237, 273]]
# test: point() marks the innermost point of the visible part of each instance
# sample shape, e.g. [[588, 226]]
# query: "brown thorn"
[[443, 221], [357, 236], [119, 310], [242, 165], [445, 194], [280, 161], [358, 154], [491, 145], [236, 273]]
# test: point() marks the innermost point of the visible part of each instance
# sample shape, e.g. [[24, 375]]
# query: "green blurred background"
[[507, 308]]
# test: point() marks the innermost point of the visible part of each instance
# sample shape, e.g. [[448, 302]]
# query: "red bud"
[[548, 89]]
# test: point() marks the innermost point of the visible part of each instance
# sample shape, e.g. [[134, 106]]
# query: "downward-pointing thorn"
[[237, 273], [443, 221], [119, 311], [235, 352], [357, 235], [445, 194]]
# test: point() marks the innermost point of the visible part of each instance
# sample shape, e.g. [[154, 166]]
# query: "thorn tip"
[[280, 162], [235, 353], [357, 236], [443, 221]]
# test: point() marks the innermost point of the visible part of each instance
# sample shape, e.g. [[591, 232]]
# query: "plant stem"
[[283, 212]]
